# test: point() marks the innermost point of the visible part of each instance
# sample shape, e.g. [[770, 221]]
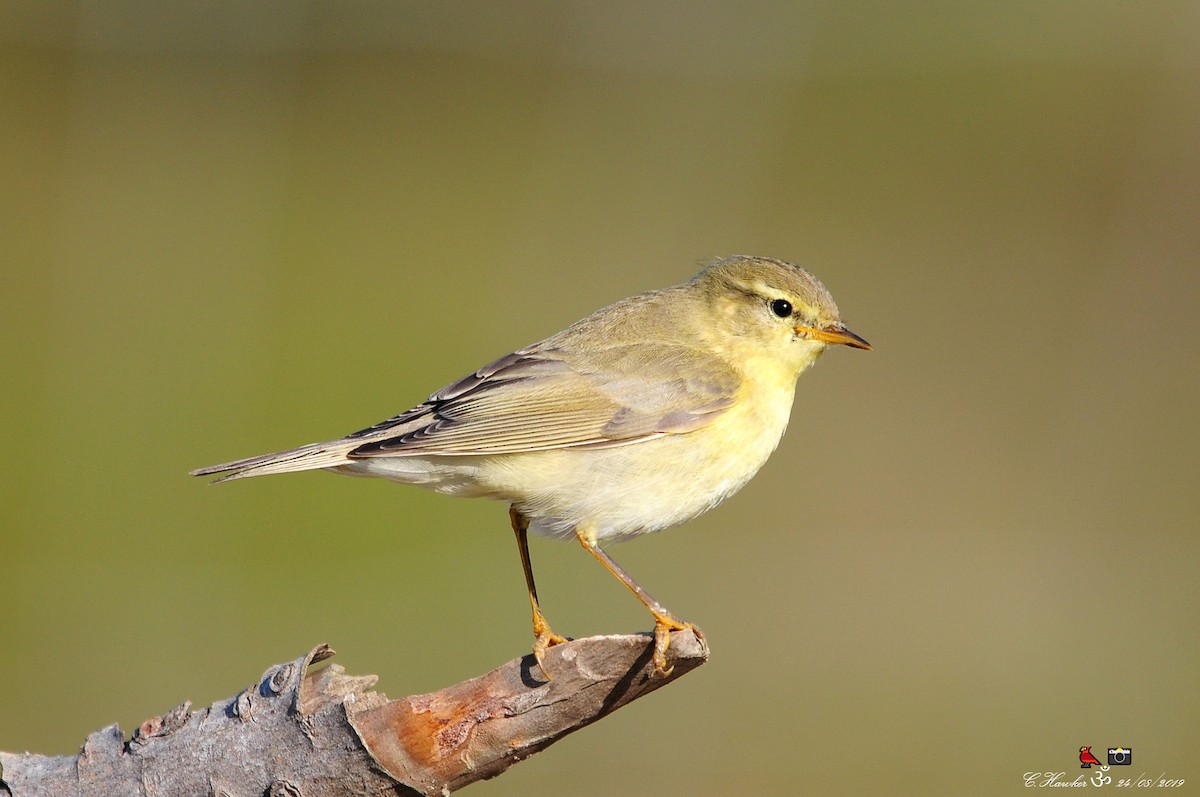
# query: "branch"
[[304, 732]]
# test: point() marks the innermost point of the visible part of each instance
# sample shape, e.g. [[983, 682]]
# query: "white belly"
[[615, 493]]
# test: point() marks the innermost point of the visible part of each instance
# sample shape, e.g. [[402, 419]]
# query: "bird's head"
[[757, 306]]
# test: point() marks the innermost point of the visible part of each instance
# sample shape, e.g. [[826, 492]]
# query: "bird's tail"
[[309, 457]]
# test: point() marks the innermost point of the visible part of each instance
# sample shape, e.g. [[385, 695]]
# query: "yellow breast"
[[647, 486]]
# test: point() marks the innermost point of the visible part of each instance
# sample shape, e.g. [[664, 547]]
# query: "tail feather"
[[310, 457]]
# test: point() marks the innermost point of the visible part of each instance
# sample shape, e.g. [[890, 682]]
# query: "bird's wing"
[[534, 400]]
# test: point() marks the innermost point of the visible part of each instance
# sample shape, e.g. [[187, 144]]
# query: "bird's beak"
[[834, 334]]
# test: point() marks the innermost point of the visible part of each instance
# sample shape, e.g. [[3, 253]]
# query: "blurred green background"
[[233, 228]]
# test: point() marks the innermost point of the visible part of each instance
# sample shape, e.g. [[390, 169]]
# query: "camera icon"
[[1119, 756]]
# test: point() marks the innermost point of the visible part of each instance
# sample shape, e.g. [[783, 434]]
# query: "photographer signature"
[[1099, 779]]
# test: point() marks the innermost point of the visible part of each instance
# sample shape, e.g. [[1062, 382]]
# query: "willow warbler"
[[641, 416]]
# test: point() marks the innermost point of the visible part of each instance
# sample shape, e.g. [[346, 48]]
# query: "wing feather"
[[533, 400]]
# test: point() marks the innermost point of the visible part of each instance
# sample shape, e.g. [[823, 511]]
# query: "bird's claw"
[[663, 626], [544, 639]]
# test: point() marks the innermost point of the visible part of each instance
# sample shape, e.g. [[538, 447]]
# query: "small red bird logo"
[[1086, 757]]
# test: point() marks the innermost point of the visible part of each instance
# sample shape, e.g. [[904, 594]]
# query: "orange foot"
[[544, 639], [664, 624]]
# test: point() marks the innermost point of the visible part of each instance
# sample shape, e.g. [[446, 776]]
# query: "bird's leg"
[[543, 636], [664, 621]]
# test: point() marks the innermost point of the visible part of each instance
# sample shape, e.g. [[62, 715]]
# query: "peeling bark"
[[316, 732]]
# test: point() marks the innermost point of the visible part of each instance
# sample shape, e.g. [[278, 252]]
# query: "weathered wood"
[[316, 732]]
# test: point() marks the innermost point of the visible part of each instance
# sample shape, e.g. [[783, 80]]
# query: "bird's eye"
[[781, 307]]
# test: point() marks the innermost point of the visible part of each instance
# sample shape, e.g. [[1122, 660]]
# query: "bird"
[[1086, 757], [638, 417]]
